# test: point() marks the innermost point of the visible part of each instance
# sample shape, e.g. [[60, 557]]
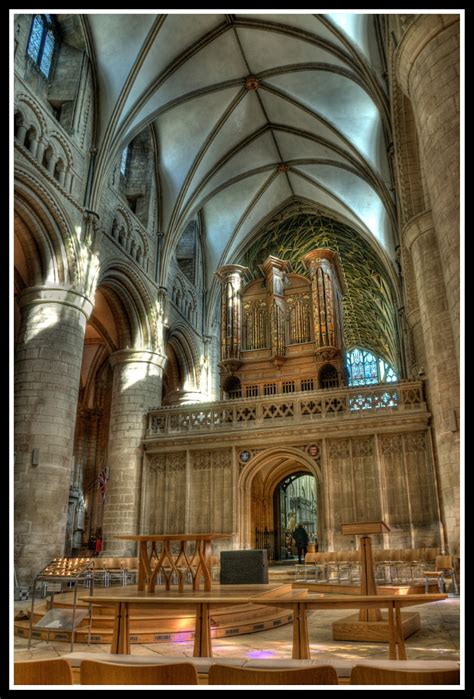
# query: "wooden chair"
[[100, 672], [444, 568], [53, 671], [224, 674], [215, 566], [367, 674], [309, 564]]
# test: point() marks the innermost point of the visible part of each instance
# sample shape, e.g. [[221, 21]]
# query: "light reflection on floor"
[[439, 637]]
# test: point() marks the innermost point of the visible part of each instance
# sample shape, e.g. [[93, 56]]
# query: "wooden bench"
[[343, 667]]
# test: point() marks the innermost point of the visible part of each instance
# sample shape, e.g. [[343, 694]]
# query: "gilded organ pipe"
[[327, 287], [231, 320], [275, 271]]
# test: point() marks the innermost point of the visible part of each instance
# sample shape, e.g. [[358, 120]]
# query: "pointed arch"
[[283, 460]]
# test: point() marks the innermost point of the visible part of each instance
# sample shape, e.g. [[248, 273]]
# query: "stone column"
[[21, 133], [40, 150], [442, 382], [136, 388], [427, 64], [47, 371]]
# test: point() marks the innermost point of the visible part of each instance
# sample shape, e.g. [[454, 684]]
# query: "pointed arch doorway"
[[294, 502], [279, 488]]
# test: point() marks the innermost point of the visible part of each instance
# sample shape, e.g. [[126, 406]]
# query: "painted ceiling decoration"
[[368, 307]]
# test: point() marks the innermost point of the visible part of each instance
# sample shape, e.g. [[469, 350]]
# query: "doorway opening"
[[294, 502]]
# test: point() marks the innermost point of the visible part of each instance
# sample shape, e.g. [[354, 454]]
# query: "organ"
[[282, 332]]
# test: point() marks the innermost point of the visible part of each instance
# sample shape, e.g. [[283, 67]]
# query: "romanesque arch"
[[131, 302], [43, 232], [184, 367]]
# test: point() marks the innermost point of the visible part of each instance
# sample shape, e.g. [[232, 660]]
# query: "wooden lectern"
[[367, 575], [369, 625]]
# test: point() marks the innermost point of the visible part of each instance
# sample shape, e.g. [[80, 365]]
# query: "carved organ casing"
[[283, 332]]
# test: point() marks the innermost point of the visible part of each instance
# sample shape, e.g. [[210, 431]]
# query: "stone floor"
[[439, 637]]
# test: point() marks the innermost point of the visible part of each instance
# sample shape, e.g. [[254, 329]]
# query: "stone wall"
[[388, 476]]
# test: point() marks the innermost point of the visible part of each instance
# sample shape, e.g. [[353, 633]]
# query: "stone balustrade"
[[297, 408]]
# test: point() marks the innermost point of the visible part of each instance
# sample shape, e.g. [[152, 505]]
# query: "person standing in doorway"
[[300, 535]]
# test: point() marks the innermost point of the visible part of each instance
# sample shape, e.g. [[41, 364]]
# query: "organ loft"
[[282, 332]]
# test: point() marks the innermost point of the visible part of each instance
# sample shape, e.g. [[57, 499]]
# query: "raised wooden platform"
[[159, 625], [348, 589], [351, 629]]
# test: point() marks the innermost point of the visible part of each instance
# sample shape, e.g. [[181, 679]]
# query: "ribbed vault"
[[369, 305], [248, 111]]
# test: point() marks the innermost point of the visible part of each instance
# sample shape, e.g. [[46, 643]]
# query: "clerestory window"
[[124, 161], [42, 43]]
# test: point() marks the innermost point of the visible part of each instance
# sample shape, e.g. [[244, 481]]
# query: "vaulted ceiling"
[[250, 111]]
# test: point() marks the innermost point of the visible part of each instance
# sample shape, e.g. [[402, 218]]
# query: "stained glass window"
[[123, 161], [47, 57], [42, 43], [364, 369], [36, 37]]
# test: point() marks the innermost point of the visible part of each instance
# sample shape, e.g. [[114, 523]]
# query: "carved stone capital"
[[133, 356], [56, 294]]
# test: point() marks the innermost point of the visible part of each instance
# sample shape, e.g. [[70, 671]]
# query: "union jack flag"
[[102, 479]]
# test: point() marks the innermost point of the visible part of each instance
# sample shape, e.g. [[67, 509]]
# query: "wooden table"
[[202, 602], [151, 561], [300, 603]]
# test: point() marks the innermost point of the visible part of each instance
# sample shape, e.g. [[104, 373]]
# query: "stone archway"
[[294, 503], [258, 482]]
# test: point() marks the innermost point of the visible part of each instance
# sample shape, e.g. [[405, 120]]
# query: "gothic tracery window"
[[364, 368], [42, 43]]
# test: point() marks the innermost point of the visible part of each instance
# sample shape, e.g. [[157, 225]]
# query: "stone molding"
[[419, 34], [61, 295]]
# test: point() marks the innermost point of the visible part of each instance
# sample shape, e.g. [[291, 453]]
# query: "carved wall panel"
[[221, 491], [210, 506], [340, 487], [199, 503], [366, 478], [398, 506], [165, 494], [394, 481], [421, 480]]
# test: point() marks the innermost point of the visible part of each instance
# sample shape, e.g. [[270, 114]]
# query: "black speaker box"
[[244, 567]]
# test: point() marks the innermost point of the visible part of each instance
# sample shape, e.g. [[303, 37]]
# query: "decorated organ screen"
[[283, 328]]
